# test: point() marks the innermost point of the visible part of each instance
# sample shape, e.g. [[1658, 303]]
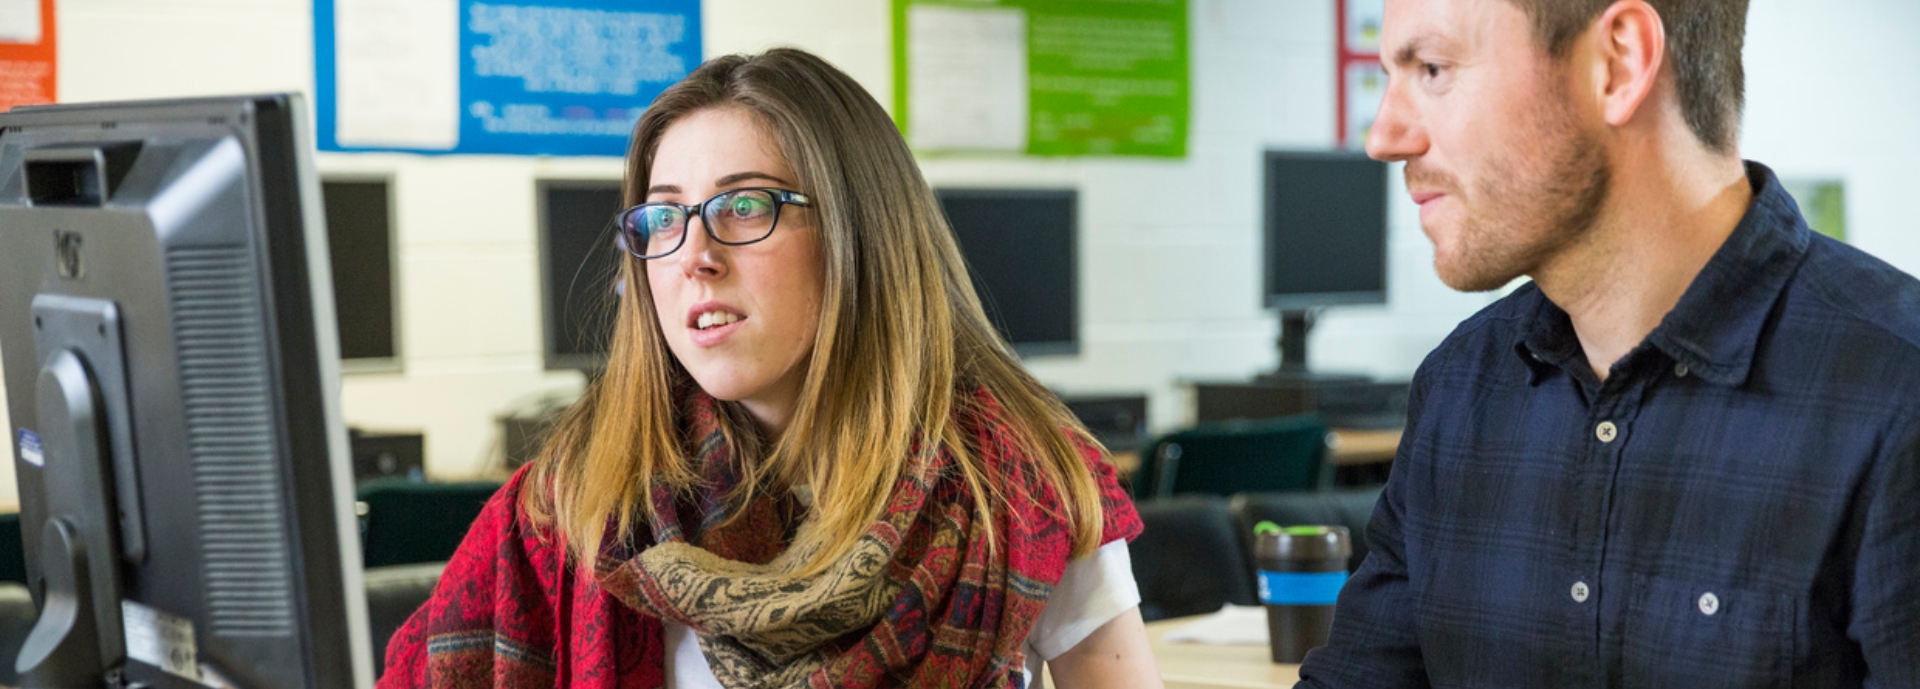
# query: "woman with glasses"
[[811, 461]]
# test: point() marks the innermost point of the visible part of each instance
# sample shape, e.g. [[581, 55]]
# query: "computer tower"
[[1117, 421], [387, 455]]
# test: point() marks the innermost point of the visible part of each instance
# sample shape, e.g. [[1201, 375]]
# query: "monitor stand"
[[1293, 371]]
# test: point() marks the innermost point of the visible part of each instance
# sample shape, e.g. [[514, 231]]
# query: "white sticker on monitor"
[[30, 451], [213, 678], [161, 640]]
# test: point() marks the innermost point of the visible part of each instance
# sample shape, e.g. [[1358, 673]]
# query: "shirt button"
[[1606, 431], [1709, 604], [1680, 370], [1580, 592]]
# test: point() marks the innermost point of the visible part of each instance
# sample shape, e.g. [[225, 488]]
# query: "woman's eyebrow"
[[739, 177], [726, 181]]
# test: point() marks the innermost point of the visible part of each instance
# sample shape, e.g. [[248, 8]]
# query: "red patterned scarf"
[[925, 600]]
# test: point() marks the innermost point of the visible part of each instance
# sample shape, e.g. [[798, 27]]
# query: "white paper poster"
[[1366, 88], [968, 76], [500, 77], [398, 63], [19, 21], [1364, 18]]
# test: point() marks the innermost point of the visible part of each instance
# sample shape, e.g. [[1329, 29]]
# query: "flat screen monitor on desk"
[[173, 385], [579, 266], [360, 247], [1019, 245], [1326, 241]]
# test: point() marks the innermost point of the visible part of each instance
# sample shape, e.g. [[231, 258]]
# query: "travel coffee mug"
[[1301, 571]]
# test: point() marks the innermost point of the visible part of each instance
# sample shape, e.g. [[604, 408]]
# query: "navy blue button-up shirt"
[[1737, 505]]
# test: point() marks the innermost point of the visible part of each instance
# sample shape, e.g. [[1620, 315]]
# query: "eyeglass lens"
[[735, 217]]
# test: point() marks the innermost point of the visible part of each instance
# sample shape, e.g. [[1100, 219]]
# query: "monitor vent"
[[230, 432]]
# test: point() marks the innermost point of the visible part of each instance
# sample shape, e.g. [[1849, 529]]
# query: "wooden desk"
[[1353, 447], [1196, 666], [1345, 447]]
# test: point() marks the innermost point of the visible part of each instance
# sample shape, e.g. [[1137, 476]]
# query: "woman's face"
[[760, 301]]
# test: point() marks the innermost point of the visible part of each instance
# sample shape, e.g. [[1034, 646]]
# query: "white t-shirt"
[[1092, 592]]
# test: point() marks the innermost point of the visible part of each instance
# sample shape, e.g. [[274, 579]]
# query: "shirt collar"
[[1715, 327], [1546, 339]]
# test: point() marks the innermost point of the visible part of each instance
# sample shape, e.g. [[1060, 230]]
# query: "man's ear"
[[1632, 43]]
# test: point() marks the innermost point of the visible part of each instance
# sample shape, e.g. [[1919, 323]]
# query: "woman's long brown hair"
[[901, 346]]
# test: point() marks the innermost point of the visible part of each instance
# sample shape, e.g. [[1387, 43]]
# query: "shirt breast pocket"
[[1700, 636]]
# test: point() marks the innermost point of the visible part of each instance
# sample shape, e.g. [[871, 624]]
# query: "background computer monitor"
[[579, 269], [172, 384], [1020, 247], [359, 219], [1326, 239]]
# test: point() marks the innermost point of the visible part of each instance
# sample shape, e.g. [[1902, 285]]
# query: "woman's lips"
[[715, 335], [720, 319]]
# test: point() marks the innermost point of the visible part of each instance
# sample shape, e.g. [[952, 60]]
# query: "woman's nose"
[[702, 257]]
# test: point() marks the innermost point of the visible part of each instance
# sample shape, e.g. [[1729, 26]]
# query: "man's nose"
[[1397, 134]]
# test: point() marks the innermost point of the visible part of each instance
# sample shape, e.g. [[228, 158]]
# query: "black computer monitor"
[[1326, 240], [359, 220], [1020, 247], [173, 387], [579, 271]]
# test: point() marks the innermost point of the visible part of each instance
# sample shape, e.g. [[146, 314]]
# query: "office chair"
[[393, 594], [1266, 455], [1189, 560], [13, 554], [409, 522]]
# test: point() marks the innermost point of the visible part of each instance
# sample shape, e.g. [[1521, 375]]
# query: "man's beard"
[[1524, 212]]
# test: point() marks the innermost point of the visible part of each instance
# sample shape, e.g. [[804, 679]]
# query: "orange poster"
[[26, 52]]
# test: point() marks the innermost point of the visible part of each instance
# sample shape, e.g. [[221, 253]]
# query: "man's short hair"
[[1704, 39]]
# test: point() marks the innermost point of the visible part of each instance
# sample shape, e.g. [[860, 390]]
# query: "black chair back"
[[1285, 453], [13, 556], [1189, 561], [393, 594], [409, 523]]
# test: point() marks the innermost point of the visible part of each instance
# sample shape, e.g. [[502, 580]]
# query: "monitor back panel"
[[227, 375]]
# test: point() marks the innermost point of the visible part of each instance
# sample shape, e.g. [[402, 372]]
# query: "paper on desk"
[[1233, 625]]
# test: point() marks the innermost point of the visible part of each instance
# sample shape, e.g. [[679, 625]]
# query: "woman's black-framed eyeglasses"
[[733, 217]]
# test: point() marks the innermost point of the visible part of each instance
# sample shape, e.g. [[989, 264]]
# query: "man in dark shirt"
[[1688, 453]]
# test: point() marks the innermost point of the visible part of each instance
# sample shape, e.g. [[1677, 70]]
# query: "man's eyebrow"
[[1409, 52]]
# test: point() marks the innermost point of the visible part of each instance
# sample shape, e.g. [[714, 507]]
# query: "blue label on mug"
[[1301, 588]]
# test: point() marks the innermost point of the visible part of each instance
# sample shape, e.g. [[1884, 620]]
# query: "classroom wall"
[[1169, 285]]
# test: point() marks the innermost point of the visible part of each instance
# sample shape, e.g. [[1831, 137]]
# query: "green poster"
[[1042, 77], [1823, 202]]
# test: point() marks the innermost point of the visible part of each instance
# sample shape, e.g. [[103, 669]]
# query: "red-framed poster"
[[1361, 81], [26, 53]]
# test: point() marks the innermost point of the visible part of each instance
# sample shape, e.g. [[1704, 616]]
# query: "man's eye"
[[1433, 70]]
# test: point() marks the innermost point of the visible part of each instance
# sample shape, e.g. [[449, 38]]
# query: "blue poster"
[[520, 77]]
